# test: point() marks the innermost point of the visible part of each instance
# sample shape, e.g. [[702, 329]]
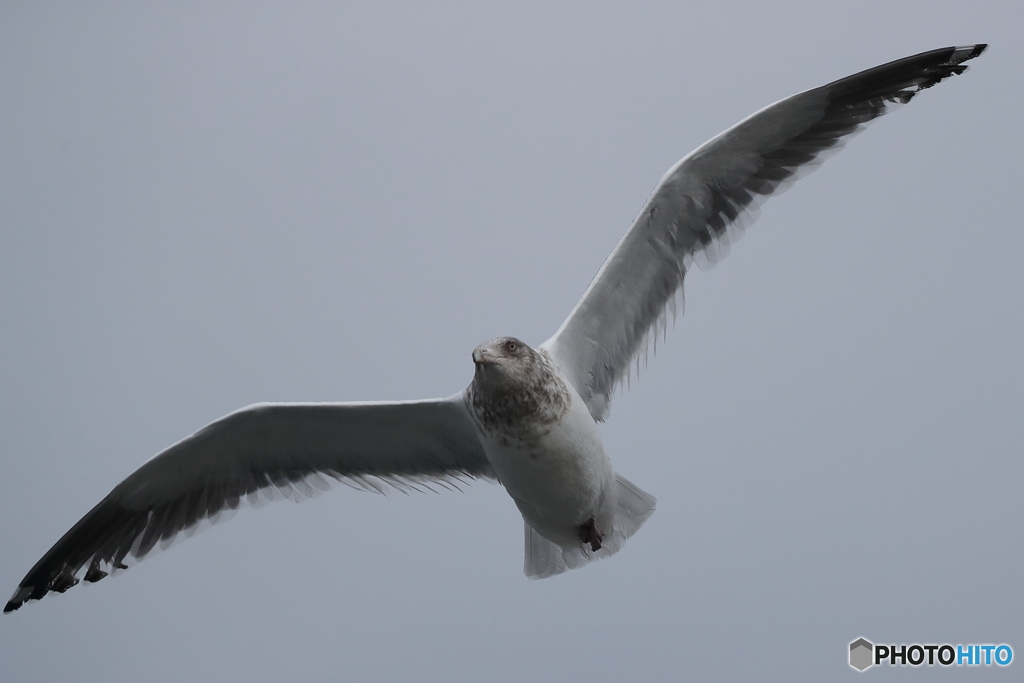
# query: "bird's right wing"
[[290, 448], [700, 204]]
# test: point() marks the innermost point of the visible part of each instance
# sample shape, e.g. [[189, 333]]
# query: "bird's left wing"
[[700, 206], [290, 448]]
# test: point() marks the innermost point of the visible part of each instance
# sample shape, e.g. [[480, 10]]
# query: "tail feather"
[[544, 558]]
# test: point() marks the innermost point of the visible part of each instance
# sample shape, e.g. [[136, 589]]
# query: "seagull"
[[528, 419]]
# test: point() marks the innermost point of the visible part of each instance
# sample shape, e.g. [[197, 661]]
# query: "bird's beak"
[[482, 356]]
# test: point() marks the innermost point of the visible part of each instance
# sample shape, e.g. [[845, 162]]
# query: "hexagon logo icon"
[[861, 652]]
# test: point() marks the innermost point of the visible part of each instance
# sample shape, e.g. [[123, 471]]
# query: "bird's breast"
[[549, 458]]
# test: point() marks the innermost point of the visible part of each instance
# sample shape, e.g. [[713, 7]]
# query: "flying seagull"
[[529, 417]]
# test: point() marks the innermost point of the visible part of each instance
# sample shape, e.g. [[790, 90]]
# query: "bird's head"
[[504, 356]]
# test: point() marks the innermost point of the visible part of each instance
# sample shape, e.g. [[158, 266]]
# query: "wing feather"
[[704, 203], [254, 454]]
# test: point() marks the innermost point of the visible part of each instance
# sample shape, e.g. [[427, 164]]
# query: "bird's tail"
[[546, 558]]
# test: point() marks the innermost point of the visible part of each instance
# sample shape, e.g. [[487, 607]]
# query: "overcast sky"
[[206, 205]]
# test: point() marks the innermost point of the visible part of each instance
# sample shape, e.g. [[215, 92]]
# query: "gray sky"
[[208, 205]]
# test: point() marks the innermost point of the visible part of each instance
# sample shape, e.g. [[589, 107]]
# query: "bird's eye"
[[512, 346]]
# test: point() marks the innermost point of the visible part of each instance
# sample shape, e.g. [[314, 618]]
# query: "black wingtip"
[[899, 81], [961, 53], [21, 596]]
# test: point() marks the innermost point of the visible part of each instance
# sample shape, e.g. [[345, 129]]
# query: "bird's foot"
[[592, 534]]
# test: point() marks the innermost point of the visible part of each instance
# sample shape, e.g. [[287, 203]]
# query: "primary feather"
[[699, 207], [285, 447]]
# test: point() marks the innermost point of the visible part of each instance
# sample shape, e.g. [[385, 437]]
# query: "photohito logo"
[[863, 653]]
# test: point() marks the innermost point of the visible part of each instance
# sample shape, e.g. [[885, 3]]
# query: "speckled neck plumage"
[[518, 403]]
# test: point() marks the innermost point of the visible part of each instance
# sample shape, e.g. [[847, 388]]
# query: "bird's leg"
[[592, 534]]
